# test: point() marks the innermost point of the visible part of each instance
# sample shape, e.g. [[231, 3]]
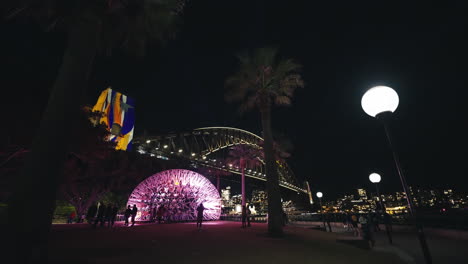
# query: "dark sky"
[[345, 47]]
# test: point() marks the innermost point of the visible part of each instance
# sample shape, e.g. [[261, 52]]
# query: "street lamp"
[[380, 102], [375, 178], [320, 195]]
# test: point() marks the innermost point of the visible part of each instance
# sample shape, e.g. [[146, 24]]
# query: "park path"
[[444, 250], [217, 242]]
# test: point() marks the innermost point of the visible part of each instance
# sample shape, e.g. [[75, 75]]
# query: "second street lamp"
[[380, 102], [375, 178], [320, 195]]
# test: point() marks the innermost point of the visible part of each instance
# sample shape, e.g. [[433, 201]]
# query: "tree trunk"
[[218, 184], [275, 215], [33, 202]]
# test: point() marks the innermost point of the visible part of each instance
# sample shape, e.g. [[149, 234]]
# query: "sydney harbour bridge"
[[209, 147]]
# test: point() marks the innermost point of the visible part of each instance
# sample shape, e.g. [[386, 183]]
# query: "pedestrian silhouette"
[[354, 224], [375, 221], [91, 213], [127, 214], [328, 219], [100, 215], [134, 213], [284, 218], [248, 216], [200, 209], [113, 215], [244, 216], [71, 217], [108, 215], [387, 219], [160, 213], [371, 229]]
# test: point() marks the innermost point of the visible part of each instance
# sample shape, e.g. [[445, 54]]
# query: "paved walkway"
[[217, 242], [406, 245]]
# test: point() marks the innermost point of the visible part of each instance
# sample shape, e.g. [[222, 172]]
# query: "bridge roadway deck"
[[217, 242]]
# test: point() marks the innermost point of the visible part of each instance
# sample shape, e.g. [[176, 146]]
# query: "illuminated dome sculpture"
[[180, 192]]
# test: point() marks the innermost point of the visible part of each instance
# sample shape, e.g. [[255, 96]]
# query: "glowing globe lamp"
[[378, 100], [374, 178], [319, 194]]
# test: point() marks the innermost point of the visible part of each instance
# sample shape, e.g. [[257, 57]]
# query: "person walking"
[[71, 217], [244, 216], [375, 221], [200, 209], [160, 213], [363, 230], [387, 219], [248, 216], [371, 229], [134, 213], [91, 213], [100, 215], [344, 220], [354, 224], [107, 215], [113, 215], [127, 214], [285, 218], [328, 219]]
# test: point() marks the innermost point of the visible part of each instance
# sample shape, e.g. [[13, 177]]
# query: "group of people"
[[130, 212], [366, 225], [105, 215]]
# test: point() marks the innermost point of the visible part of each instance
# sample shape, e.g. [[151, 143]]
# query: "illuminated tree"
[[94, 168], [261, 82], [91, 26]]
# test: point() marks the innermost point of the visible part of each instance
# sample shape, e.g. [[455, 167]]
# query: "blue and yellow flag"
[[118, 115]]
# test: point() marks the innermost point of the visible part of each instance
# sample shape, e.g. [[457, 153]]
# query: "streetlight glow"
[[381, 102], [375, 177], [379, 99], [319, 194]]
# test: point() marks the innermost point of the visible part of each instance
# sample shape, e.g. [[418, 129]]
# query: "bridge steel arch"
[[201, 146]]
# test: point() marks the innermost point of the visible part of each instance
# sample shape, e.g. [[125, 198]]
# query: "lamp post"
[[380, 102], [375, 178], [320, 195]]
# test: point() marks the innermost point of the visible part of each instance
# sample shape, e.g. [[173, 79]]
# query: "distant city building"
[[396, 203], [226, 193], [362, 194], [259, 200]]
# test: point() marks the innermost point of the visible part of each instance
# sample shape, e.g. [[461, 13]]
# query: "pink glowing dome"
[[180, 192]]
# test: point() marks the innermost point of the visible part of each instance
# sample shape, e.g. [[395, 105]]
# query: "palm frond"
[[248, 104], [282, 100], [265, 57], [263, 79]]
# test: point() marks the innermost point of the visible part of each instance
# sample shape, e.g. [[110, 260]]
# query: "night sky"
[[345, 48]]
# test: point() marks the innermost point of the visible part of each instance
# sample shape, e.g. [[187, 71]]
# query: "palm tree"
[[241, 155], [92, 26], [261, 82]]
